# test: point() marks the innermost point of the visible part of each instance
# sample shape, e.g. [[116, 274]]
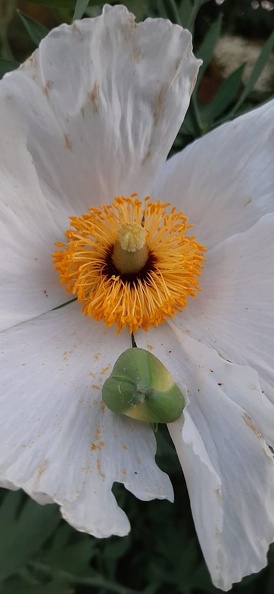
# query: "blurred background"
[[40, 553]]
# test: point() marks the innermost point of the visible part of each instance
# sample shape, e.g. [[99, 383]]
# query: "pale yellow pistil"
[[130, 252]]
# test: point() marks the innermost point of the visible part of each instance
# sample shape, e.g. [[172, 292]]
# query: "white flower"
[[90, 116]]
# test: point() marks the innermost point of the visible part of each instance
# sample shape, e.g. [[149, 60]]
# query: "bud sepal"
[[142, 388]]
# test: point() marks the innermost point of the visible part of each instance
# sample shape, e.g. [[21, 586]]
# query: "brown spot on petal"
[[99, 468], [137, 54], [47, 87], [68, 142], [39, 472], [147, 155], [252, 425], [97, 446], [93, 97], [218, 492], [128, 28], [159, 104]]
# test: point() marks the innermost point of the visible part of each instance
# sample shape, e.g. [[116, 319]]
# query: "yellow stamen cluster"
[[116, 289]]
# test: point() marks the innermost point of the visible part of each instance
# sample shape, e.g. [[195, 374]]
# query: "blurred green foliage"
[[23, 27], [40, 553]]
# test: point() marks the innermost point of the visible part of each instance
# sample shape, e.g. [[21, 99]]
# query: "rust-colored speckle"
[[150, 347], [68, 142], [124, 446], [39, 472], [97, 446], [104, 370], [124, 471], [93, 97], [97, 433], [97, 356], [99, 468], [95, 387], [102, 407], [85, 469]]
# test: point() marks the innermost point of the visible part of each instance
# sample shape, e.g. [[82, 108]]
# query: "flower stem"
[[133, 342], [97, 581]]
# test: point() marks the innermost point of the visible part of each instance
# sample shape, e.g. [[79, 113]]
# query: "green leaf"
[[24, 528], [36, 31], [171, 11], [69, 555], [185, 11], [195, 9], [17, 585], [56, 4], [225, 96], [138, 8], [206, 49], [257, 69], [80, 8], [7, 66]]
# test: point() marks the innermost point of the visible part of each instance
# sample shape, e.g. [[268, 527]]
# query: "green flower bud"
[[141, 387]]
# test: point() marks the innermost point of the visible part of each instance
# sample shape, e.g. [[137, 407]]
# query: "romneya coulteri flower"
[[86, 126]]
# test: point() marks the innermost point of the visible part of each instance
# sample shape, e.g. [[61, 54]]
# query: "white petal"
[[228, 467], [234, 312], [29, 285], [57, 440], [224, 181], [103, 100]]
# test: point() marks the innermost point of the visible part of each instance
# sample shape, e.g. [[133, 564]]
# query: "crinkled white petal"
[[29, 285], [100, 102], [224, 181], [228, 467], [234, 312], [57, 439], [103, 100]]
